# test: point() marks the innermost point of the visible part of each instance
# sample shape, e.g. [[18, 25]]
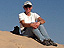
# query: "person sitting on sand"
[[32, 24]]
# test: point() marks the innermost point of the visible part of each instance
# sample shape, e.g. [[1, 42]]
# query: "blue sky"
[[52, 11]]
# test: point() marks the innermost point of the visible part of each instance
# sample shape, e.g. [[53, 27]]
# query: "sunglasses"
[[28, 6]]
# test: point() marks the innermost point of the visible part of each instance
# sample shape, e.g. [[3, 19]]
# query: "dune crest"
[[9, 40]]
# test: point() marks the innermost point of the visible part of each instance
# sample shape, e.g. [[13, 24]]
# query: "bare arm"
[[28, 24], [42, 21], [34, 25], [25, 24]]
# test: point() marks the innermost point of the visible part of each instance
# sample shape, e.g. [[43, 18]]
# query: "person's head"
[[27, 6]]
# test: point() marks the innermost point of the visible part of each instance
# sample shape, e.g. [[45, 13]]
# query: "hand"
[[35, 25]]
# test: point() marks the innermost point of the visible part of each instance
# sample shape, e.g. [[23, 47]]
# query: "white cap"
[[27, 3]]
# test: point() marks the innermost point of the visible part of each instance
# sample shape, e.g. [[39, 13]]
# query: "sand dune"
[[9, 40]]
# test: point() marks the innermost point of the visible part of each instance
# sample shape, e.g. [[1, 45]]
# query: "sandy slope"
[[9, 40]]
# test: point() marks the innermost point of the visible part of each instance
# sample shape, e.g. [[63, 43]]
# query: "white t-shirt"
[[28, 19]]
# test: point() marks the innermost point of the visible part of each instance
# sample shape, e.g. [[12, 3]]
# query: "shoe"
[[52, 43], [46, 42]]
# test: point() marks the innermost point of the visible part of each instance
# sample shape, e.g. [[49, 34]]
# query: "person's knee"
[[41, 25], [35, 29]]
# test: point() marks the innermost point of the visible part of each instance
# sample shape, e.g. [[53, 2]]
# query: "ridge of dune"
[[9, 40]]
